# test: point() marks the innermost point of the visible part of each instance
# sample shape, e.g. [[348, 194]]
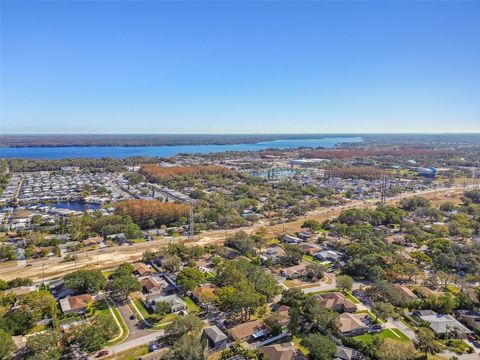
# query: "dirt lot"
[[108, 258]]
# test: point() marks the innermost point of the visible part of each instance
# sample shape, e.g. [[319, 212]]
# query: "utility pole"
[[192, 232], [383, 189], [43, 274]]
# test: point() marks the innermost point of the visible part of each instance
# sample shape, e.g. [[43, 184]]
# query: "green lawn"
[[298, 343], [385, 334], [309, 258], [350, 297], [122, 324], [453, 289], [192, 307], [165, 321], [143, 310], [130, 354]]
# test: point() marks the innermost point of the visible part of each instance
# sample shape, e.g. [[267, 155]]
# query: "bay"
[[121, 152]]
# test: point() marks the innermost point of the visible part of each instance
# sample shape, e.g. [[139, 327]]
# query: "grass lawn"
[[273, 241], [385, 334], [455, 345], [130, 354], [107, 273], [453, 289], [309, 258], [192, 307], [143, 310], [298, 343], [350, 297], [165, 321], [122, 324], [38, 328]]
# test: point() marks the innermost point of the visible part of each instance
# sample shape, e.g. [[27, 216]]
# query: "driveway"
[[397, 324]]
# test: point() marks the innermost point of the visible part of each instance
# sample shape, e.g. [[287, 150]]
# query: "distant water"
[[72, 205], [121, 152]]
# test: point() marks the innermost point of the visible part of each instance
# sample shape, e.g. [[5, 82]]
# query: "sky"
[[239, 67]]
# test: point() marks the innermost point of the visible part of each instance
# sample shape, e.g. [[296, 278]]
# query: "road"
[[108, 258], [138, 333]]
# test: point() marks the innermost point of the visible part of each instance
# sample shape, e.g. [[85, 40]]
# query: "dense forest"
[[157, 173], [150, 213]]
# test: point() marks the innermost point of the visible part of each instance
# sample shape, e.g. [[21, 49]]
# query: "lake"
[[121, 152]]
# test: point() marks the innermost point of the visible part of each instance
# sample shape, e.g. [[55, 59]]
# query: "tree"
[[384, 310], [190, 324], [121, 286], [7, 346], [123, 270], [7, 253], [320, 318], [292, 256], [42, 304], [94, 335], [148, 256], [43, 346], [391, 349], [172, 263], [344, 282], [162, 308], [426, 342], [314, 271], [294, 323], [274, 323], [19, 322], [312, 225], [85, 281], [320, 347], [189, 278], [293, 297], [240, 297], [187, 348]]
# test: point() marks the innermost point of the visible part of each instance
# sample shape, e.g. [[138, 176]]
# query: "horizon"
[[239, 67]]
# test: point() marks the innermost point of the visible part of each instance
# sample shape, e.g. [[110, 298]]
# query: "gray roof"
[[442, 324], [215, 334]]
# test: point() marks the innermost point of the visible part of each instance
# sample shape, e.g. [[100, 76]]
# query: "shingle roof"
[[215, 334]]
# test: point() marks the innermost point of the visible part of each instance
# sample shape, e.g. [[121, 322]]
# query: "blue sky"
[[239, 67]]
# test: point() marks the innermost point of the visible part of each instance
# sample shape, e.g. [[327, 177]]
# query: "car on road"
[[132, 317]]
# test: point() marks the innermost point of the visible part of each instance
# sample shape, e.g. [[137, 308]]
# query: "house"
[[249, 330], [273, 253], [285, 351], [289, 239], [174, 301], [406, 292], [75, 304], [328, 255], [336, 301], [446, 325], [216, 338], [351, 325], [142, 270], [205, 293], [426, 292], [469, 318], [294, 272], [93, 241], [345, 353], [304, 235], [151, 284], [309, 249]]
